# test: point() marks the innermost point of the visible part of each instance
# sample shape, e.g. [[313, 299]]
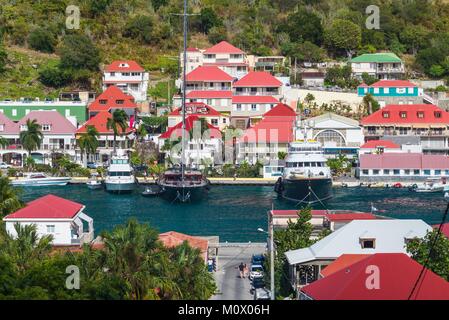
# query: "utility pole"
[[271, 231]]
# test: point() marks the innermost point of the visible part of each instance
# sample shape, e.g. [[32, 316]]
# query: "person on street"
[[241, 268], [245, 270]]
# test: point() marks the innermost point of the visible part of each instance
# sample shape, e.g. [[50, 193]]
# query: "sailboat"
[[181, 184]]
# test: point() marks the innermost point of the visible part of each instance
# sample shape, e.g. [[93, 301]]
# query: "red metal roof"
[[403, 161], [269, 131], [258, 79], [112, 97], [444, 229], [59, 123], [99, 121], [372, 144], [393, 83], [213, 74], [254, 99], [190, 121], [131, 65], [209, 94], [281, 110], [397, 276], [173, 239], [199, 109], [394, 115], [223, 47], [350, 216], [47, 207], [345, 260], [294, 213]]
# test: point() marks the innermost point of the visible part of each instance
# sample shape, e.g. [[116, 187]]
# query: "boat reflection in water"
[[192, 187]]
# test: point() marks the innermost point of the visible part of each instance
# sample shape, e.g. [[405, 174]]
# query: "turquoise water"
[[234, 212]]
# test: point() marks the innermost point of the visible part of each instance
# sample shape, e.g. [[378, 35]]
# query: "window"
[[112, 74], [2, 127], [446, 172], [386, 171], [420, 114], [368, 243], [239, 107], [427, 172], [400, 90], [125, 74], [23, 127], [386, 90], [407, 171], [365, 172], [103, 101], [14, 112], [375, 171], [438, 172], [254, 107], [386, 114], [120, 101], [376, 90], [50, 228], [403, 114], [46, 127], [135, 74], [67, 113], [224, 120], [331, 137], [437, 114], [410, 90], [214, 122], [396, 172], [416, 172]]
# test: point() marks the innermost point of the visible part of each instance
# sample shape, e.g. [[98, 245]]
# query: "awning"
[[421, 126], [438, 125]]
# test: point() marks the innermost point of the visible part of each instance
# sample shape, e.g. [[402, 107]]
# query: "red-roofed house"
[[393, 92], [129, 77], [105, 139], [425, 124], [112, 99], [173, 239], [379, 146], [248, 108], [208, 78], [204, 146], [272, 134], [258, 83], [55, 216], [345, 260], [228, 58], [381, 276], [219, 100], [201, 110]]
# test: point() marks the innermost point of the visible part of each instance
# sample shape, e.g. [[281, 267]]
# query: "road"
[[229, 285]]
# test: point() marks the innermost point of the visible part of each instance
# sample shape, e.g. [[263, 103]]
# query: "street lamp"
[[270, 234]]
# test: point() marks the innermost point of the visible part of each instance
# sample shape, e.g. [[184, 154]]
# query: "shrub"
[[42, 40], [53, 76]]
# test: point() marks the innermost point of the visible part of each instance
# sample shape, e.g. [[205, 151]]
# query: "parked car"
[[4, 165], [256, 284], [262, 294], [258, 259], [92, 165], [256, 271]]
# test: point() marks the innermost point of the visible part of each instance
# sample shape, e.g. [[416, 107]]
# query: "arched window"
[[330, 138]]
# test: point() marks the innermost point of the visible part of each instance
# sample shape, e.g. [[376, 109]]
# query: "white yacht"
[[306, 177], [120, 176], [34, 179]]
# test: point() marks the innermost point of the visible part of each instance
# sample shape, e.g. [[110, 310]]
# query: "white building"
[[228, 58], [64, 220], [128, 76], [383, 66], [357, 237]]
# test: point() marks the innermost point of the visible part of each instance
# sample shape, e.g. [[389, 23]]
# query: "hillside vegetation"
[[150, 32]]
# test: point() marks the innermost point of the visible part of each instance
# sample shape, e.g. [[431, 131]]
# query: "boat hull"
[[120, 187], [186, 194], [41, 182], [308, 190]]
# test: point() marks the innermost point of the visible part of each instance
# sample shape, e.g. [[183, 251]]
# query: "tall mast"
[[184, 94]]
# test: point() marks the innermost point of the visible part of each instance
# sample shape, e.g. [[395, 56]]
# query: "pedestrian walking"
[[245, 270], [241, 268]]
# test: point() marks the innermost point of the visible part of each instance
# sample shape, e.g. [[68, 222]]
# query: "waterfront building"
[[202, 111], [199, 150], [258, 83], [173, 239], [128, 76], [58, 138], [337, 134], [248, 110], [425, 123], [208, 78], [403, 166], [16, 110], [62, 219], [382, 66], [112, 99], [393, 92], [397, 273], [356, 237], [125, 140], [268, 137]]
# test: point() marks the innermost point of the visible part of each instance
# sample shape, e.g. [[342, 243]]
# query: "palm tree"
[[3, 142], [32, 137], [119, 120], [88, 142], [9, 198]]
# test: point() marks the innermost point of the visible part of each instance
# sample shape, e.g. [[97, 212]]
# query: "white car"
[[256, 271], [4, 165], [262, 294]]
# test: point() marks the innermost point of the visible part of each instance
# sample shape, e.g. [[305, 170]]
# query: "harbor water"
[[235, 212]]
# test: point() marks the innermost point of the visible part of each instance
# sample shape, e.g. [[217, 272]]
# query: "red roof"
[[372, 144], [124, 66], [209, 94], [254, 99], [112, 98], [258, 79], [199, 109], [350, 216], [404, 161], [444, 229], [193, 49], [345, 260], [99, 121], [397, 276], [59, 123], [173, 239], [223, 47], [294, 213], [190, 121], [213, 74], [393, 83], [47, 207], [269, 131], [281, 110], [394, 115]]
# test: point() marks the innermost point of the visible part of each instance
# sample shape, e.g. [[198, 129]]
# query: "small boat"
[[37, 179], [431, 185], [94, 183], [152, 191]]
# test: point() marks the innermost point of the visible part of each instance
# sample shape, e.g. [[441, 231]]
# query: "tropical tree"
[[343, 35], [32, 137], [88, 142], [9, 198], [282, 155], [118, 123], [3, 142]]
